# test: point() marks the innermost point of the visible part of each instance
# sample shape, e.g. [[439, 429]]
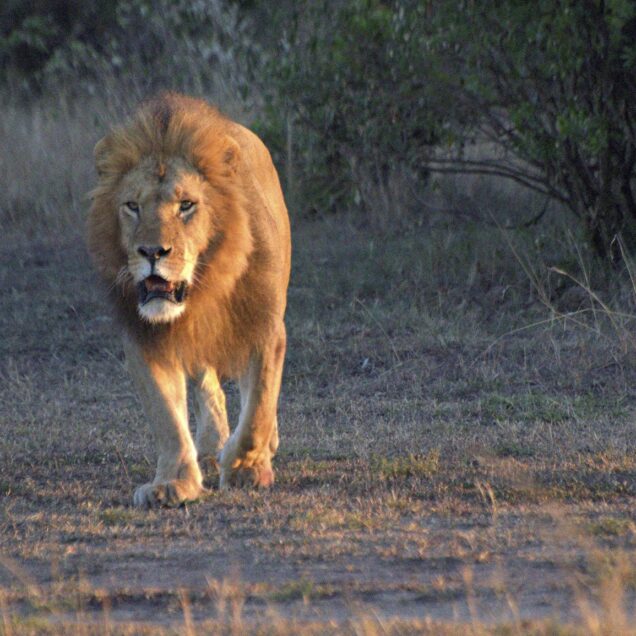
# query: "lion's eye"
[[133, 206], [186, 209]]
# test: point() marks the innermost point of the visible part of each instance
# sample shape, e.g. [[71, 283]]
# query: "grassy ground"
[[456, 457], [457, 432]]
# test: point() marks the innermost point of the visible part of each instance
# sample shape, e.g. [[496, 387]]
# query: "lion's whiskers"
[[122, 277]]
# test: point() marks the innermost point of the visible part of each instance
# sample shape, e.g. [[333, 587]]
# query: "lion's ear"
[[230, 154], [217, 156]]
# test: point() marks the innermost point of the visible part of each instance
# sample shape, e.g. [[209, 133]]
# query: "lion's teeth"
[[156, 283]]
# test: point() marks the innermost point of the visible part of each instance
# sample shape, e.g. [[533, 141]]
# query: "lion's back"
[[266, 207]]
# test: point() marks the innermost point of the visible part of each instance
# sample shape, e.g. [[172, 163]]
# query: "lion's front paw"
[[245, 470], [170, 494]]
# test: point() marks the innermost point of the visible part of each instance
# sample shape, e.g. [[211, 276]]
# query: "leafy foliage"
[[550, 86], [198, 45], [538, 92], [351, 80], [350, 93]]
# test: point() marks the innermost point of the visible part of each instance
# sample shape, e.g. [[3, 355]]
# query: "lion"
[[189, 230]]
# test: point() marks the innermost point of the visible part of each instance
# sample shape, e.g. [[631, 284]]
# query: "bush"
[[538, 92], [33, 33], [348, 98], [357, 94], [550, 84], [199, 46]]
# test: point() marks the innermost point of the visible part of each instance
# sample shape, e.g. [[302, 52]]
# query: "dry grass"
[[457, 449]]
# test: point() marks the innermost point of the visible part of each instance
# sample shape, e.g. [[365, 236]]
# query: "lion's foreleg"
[[247, 455], [211, 416], [162, 389]]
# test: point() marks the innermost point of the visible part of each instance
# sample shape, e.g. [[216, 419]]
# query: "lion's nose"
[[153, 252]]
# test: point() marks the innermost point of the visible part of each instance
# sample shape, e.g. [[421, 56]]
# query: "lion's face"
[[165, 226]]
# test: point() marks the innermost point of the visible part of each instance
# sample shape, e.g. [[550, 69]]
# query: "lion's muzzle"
[[157, 287]]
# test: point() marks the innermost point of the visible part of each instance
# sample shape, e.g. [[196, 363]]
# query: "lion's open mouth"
[[156, 287]]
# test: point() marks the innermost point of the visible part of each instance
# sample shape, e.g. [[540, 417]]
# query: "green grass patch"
[[303, 589], [412, 465], [611, 527], [117, 516]]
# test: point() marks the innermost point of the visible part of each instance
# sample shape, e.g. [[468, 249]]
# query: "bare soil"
[[442, 464]]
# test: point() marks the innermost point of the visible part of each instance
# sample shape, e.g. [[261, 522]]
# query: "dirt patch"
[[435, 467]]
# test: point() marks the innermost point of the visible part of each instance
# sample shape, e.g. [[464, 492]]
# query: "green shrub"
[[537, 92], [199, 46], [550, 85], [348, 98]]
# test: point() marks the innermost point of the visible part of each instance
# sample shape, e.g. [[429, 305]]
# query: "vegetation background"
[[458, 409]]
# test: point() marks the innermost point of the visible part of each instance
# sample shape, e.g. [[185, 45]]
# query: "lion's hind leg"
[[246, 458], [211, 417]]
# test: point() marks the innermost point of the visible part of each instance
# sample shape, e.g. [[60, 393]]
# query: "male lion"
[[189, 229]]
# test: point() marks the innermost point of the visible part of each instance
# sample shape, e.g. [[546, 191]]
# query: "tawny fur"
[[241, 281], [232, 318]]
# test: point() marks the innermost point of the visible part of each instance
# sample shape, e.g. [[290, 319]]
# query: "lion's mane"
[[229, 306]]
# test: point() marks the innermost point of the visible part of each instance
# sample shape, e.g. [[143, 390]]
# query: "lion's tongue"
[[156, 283]]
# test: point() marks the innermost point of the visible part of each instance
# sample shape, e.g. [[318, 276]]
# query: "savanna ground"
[[457, 444]]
